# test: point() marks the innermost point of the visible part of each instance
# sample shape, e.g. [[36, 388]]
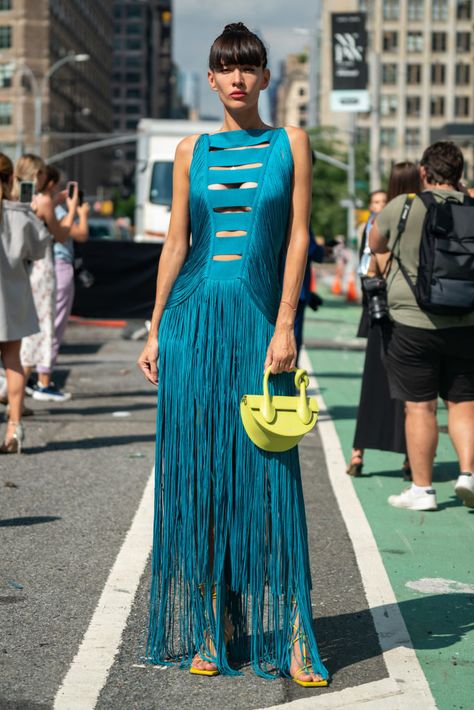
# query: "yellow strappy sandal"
[[306, 669], [204, 654]]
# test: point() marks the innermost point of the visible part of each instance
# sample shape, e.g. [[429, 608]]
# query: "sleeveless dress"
[[209, 476]]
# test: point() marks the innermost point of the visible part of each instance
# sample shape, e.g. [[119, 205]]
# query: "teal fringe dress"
[[213, 340]]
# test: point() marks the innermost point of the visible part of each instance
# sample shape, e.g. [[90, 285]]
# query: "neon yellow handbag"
[[278, 423]]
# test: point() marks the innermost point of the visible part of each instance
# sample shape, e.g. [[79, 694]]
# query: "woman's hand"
[[281, 353], [148, 361]]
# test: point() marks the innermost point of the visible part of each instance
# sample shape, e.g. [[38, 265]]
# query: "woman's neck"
[[242, 121]]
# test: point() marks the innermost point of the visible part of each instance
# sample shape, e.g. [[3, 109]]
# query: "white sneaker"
[[426, 500], [464, 489]]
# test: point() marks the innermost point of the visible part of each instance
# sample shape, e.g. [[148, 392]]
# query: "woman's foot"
[[13, 438], [203, 663], [301, 669], [356, 463]]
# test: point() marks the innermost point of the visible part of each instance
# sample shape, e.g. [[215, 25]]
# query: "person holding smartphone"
[[64, 256], [23, 238], [36, 350]]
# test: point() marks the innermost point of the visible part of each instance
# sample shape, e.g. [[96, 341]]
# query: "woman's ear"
[[265, 79], [211, 80]]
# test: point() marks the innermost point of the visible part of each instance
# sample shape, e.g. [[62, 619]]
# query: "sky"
[[198, 22]]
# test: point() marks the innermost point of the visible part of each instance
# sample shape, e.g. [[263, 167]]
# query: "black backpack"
[[445, 278]]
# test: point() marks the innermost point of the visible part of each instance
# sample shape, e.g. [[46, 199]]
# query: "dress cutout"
[[213, 339]]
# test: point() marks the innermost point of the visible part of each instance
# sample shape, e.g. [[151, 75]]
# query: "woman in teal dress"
[[230, 565]]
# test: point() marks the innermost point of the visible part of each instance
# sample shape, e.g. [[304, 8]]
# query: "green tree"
[[328, 218]]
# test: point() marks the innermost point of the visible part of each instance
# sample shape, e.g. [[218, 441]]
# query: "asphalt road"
[[65, 506]]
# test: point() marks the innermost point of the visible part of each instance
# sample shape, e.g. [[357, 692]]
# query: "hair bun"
[[235, 27]]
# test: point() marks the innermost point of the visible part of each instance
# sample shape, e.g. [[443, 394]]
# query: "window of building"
[[5, 37], [6, 111], [6, 75], [464, 9], [391, 9], [414, 73], [463, 41], [132, 77], [438, 73], [439, 9], [412, 138], [133, 93], [388, 137], [437, 106], [415, 9], [117, 12], [463, 74], [389, 73], [461, 106], [117, 92], [132, 109], [5, 5], [133, 11], [388, 104], [438, 41], [116, 124], [390, 41], [415, 42], [133, 44], [134, 29], [302, 91], [131, 124], [413, 105]]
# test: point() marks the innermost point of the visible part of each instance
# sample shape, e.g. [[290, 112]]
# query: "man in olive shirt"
[[428, 355]]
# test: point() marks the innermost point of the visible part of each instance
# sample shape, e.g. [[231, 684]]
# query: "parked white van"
[[156, 147]]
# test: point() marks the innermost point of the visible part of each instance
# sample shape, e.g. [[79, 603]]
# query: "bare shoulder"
[[184, 152], [298, 138]]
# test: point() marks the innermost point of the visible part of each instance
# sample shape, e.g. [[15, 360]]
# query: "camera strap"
[[400, 229]]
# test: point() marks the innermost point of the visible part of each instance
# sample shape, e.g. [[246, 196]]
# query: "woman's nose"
[[237, 76]]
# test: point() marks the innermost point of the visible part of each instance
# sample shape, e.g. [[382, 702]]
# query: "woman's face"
[[41, 180], [238, 85]]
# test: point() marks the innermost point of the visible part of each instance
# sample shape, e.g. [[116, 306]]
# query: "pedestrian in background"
[[24, 239], [64, 270], [380, 422], [430, 354], [307, 297], [230, 541], [36, 350]]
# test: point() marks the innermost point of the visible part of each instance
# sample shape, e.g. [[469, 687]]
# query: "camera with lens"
[[376, 291]]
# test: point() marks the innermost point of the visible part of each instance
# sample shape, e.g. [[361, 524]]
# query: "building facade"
[[143, 79], [421, 56], [292, 94], [45, 102]]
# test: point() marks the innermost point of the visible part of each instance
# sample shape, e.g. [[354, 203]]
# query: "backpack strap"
[[400, 229]]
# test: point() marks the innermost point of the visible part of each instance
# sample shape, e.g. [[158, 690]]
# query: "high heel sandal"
[[208, 650], [306, 668], [15, 442], [355, 466]]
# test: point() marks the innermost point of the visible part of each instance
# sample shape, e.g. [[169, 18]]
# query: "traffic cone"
[[313, 286], [336, 287], [351, 294]]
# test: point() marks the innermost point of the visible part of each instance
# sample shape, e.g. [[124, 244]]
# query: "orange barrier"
[[336, 287], [351, 294]]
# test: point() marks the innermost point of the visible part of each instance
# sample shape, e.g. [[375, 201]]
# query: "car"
[[101, 228]]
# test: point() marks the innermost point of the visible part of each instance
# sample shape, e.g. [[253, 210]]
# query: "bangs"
[[236, 48]]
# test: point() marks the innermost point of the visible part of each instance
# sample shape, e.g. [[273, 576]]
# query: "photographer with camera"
[[430, 242]]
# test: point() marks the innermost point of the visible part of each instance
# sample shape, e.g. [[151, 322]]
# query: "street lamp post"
[[41, 88]]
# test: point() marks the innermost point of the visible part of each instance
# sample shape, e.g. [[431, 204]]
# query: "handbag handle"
[[267, 409]]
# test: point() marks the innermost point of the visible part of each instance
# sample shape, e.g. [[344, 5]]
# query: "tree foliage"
[[328, 218]]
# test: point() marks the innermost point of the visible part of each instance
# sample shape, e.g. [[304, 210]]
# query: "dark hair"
[[404, 178], [443, 162], [52, 174], [237, 45]]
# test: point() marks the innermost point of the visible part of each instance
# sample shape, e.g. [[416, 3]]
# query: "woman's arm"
[[281, 354], [173, 255], [80, 230], [44, 209]]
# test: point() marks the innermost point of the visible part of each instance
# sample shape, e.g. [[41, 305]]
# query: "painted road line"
[[398, 652], [88, 672]]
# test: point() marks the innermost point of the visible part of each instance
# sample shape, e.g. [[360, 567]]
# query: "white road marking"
[[406, 685], [88, 672], [438, 585]]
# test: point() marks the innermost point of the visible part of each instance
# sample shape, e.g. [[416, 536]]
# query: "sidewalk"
[[428, 556]]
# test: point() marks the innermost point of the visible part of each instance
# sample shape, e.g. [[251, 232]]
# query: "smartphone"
[[81, 198], [70, 189], [27, 191]]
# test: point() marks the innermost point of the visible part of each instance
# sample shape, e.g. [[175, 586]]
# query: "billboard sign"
[[349, 65]]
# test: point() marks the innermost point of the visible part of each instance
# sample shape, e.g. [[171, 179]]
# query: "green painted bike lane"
[[429, 557]]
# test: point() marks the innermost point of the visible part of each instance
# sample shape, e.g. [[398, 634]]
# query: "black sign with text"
[[349, 46]]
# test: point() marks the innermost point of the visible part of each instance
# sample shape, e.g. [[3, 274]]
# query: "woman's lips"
[[238, 94]]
